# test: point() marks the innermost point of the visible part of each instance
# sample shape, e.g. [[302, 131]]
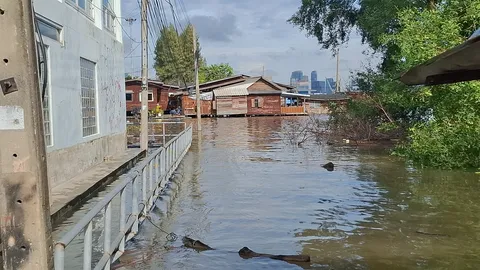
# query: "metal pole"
[[87, 247], [26, 241], [163, 133], [107, 231], [144, 94], [337, 83], [197, 87]]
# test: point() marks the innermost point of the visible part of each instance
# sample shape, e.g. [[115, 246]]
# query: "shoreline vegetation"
[[437, 126]]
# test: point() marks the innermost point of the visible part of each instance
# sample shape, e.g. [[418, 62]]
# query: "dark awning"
[[458, 64]]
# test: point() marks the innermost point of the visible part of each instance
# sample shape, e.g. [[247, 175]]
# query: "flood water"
[[244, 185]]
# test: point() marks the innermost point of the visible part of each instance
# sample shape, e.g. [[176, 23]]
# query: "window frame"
[[131, 96], [108, 16], [50, 24], [87, 11], [89, 99], [47, 102], [149, 93]]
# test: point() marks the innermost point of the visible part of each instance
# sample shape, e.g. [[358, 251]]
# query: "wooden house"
[[158, 93], [264, 97], [206, 89]]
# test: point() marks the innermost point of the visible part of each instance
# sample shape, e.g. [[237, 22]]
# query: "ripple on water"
[[245, 187]]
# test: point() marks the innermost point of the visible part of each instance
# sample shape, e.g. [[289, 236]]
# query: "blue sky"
[[250, 34]]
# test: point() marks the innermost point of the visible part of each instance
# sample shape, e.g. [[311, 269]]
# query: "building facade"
[[264, 98], [84, 104], [158, 93]]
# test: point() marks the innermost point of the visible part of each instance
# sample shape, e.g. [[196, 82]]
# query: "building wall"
[[231, 105], [260, 85], [189, 106], [268, 105], [83, 37], [136, 103]]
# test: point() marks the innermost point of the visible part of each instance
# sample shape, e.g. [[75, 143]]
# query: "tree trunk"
[[432, 4]]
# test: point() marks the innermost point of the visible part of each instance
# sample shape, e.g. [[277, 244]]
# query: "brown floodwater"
[[244, 184]]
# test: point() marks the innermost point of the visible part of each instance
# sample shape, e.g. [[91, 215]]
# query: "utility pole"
[[337, 80], [144, 94], [25, 228], [197, 87], [263, 71]]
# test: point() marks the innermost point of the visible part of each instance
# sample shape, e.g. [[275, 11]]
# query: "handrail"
[[164, 135], [152, 172]]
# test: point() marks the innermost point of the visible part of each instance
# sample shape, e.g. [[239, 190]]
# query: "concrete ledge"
[[69, 196]]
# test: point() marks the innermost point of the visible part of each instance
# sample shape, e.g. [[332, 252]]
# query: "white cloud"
[[251, 34]]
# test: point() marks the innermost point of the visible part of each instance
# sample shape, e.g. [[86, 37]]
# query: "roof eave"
[[459, 64]]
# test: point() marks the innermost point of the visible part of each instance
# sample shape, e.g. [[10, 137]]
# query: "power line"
[[127, 56], [159, 19]]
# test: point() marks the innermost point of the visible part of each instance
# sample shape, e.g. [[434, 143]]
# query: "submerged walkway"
[[97, 237], [65, 197]]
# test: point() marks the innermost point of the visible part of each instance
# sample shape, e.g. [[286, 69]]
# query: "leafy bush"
[[445, 144]]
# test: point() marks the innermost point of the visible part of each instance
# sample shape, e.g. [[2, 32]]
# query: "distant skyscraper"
[[330, 85], [313, 77], [296, 76]]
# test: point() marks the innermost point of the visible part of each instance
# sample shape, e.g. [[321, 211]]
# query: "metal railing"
[[147, 181], [151, 130]]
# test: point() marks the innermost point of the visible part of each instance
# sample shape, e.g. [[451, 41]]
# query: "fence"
[[293, 110], [155, 131], [147, 182]]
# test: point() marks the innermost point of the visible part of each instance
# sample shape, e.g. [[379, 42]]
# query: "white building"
[[84, 105]]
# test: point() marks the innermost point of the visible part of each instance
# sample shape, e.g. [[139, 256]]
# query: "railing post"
[[59, 262], [170, 159], [162, 167], [123, 222], [150, 176], [135, 211], [87, 248], [174, 153], [107, 231], [157, 169], [144, 190], [163, 133]]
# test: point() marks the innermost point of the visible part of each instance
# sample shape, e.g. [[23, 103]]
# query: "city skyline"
[[326, 85]]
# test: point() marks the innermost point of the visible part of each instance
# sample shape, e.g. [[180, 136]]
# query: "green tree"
[[215, 72], [441, 122], [449, 135], [174, 56], [331, 21]]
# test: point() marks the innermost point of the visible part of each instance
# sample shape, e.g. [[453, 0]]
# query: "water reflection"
[[241, 185]]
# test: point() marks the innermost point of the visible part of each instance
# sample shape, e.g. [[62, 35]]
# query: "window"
[[84, 6], [49, 29], [108, 16], [47, 127], [129, 96], [257, 103], [150, 96], [89, 96]]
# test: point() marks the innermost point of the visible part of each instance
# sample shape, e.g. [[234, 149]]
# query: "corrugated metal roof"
[[233, 90], [264, 92], [286, 94]]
